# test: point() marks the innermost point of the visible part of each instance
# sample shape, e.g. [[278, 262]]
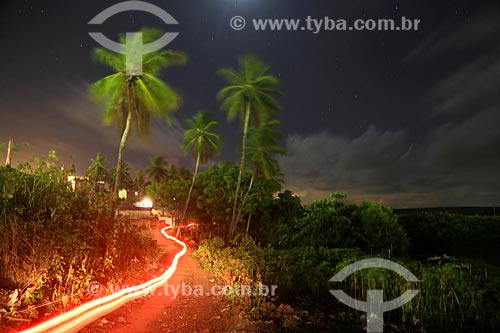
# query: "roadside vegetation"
[[300, 247], [56, 244]]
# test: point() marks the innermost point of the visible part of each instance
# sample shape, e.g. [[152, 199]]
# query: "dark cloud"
[[471, 87], [368, 165], [347, 164], [456, 161], [470, 81], [455, 165]]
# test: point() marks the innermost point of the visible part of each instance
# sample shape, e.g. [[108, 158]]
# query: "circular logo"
[[95, 288], [237, 23], [374, 306]]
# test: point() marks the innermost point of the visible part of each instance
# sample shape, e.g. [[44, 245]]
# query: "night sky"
[[410, 118]]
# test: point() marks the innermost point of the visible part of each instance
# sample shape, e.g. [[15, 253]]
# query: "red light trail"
[[86, 313]]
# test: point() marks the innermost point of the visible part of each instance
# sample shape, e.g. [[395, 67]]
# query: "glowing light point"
[[146, 203]]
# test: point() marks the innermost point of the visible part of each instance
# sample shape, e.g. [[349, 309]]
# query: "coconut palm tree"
[[131, 99], [261, 150], [250, 94], [158, 169], [202, 142], [140, 181], [126, 179], [262, 147], [98, 169]]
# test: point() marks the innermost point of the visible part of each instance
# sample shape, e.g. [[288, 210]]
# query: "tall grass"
[[54, 242]]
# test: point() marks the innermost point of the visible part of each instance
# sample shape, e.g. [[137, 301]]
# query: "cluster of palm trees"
[[130, 100], [251, 95], [159, 170]]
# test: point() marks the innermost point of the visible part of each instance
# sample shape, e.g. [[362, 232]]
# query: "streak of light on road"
[[83, 315]]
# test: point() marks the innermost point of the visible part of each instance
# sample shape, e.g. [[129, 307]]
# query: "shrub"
[[380, 231]]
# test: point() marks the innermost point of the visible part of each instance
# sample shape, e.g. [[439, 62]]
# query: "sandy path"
[[169, 313]]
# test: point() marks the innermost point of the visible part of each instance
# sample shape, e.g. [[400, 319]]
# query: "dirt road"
[[173, 308]]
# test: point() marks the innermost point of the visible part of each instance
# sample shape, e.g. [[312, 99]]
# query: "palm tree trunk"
[[119, 163], [245, 196], [189, 193], [234, 221], [248, 224], [9, 150]]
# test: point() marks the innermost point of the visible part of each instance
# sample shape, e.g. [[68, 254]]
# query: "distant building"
[[77, 182], [144, 203]]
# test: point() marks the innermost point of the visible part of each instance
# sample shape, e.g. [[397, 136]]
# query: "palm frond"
[[109, 91], [103, 89], [250, 85], [252, 67], [140, 118], [262, 147], [168, 99], [145, 95], [108, 58], [154, 62], [230, 75]]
